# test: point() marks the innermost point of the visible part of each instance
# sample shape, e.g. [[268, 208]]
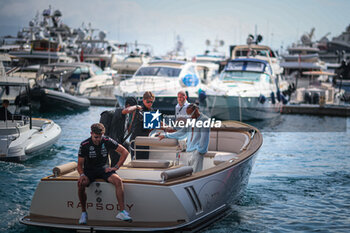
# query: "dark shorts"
[[97, 173]]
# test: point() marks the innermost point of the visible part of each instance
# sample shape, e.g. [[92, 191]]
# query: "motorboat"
[[56, 84], [161, 193], [209, 64], [21, 137], [99, 85], [164, 78], [261, 52], [319, 90], [247, 89], [128, 65]]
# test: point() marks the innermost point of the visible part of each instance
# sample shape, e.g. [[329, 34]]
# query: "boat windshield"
[[246, 66], [97, 70], [244, 76], [159, 71]]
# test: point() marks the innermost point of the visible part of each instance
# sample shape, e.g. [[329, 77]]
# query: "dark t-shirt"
[[114, 122], [138, 129], [96, 156], [5, 114]]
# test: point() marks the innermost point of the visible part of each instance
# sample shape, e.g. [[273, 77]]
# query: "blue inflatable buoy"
[[190, 80], [262, 99]]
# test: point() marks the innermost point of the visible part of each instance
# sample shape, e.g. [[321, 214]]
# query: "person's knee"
[[82, 185], [116, 180]]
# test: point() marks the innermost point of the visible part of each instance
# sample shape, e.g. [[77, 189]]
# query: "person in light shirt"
[[180, 109], [197, 138]]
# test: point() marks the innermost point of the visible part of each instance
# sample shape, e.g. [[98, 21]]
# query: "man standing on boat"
[[181, 107], [197, 137], [118, 124], [138, 130], [5, 114], [93, 164]]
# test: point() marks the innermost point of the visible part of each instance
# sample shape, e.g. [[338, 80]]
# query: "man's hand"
[[110, 169], [161, 137], [83, 181], [169, 130]]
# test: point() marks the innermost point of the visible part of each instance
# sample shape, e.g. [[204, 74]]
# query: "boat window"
[[266, 78], [245, 66], [158, 71], [240, 76]]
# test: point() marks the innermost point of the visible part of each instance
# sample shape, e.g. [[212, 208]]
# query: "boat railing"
[[165, 145]]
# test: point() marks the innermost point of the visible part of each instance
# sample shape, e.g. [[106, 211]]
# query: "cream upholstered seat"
[[154, 141], [148, 163]]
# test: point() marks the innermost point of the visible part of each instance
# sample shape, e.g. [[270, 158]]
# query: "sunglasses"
[[97, 137], [149, 101]]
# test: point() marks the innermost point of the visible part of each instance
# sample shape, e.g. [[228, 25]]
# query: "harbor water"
[[300, 181]]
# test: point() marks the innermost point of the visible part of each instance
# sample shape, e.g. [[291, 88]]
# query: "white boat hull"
[[185, 201], [27, 142], [171, 205], [226, 107]]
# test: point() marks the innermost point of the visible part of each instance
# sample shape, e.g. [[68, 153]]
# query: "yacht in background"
[[126, 65], [165, 78], [246, 90], [302, 57], [208, 65]]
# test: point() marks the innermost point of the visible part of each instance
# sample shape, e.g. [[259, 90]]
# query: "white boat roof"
[[166, 63], [13, 81]]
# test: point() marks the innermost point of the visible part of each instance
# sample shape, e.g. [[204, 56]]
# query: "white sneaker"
[[83, 218], [124, 216]]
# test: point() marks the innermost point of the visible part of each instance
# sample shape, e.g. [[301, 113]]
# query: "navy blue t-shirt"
[[96, 156]]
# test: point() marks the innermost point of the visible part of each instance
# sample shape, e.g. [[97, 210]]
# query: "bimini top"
[[249, 65]]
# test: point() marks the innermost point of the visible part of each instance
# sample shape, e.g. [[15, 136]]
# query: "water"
[[300, 181]]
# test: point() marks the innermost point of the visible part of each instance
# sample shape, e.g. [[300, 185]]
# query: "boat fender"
[[278, 95], [273, 100], [64, 169], [284, 99], [201, 95], [189, 80], [307, 97], [315, 98], [178, 172], [262, 99]]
